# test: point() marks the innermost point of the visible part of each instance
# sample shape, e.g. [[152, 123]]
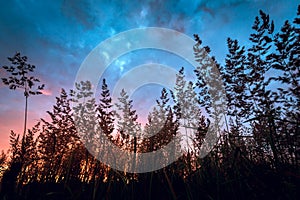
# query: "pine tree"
[[85, 118], [188, 111], [161, 130], [105, 117], [286, 61], [211, 93], [261, 97], [235, 80], [258, 64], [127, 120], [127, 126], [105, 112], [157, 119], [57, 140]]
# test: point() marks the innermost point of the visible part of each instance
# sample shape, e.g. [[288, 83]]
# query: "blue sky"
[[57, 35]]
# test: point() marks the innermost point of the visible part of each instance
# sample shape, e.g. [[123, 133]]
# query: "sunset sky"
[[57, 35]]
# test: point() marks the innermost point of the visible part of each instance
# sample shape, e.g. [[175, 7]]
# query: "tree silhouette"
[[161, 128], [20, 79], [157, 119], [105, 112], [127, 120], [188, 110], [235, 79], [127, 125], [85, 118], [286, 61], [256, 155], [262, 99], [210, 92], [57, 140], [3, 158]]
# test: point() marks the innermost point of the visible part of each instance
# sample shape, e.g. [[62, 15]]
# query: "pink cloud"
[[47, 92]]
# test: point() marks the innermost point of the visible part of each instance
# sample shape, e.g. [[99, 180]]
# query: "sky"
[[57, 35]]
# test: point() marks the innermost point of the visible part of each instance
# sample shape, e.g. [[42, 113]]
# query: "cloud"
[[47, 92]]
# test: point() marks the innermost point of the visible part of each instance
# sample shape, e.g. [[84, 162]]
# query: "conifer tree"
[[157, 119], [211, 94], [57, 140], [235, 80], [127, 126], [127, 120], [188, 111], [105, 112], [105, 117], [258, 63], [286, 61], [85, 118], [161, 130]]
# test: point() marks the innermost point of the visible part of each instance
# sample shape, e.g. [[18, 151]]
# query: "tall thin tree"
[[20, 78]]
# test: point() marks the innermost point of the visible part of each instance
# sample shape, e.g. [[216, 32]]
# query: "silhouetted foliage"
[[22, 148], [256, 155]]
